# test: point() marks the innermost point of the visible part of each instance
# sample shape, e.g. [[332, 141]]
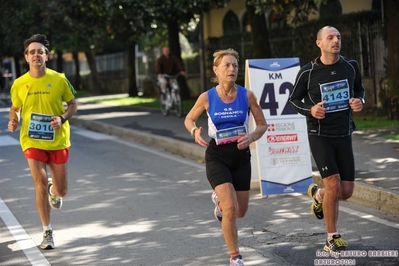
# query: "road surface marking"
[[8, 141], [26, 244], [369, 217]]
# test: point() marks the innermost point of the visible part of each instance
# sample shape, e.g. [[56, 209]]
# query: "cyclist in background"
[[169, 64]]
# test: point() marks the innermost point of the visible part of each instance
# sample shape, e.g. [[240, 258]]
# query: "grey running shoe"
[[48, 240], [237, 261], [217, 212], [54, 200], [316, 207], [335, 244]]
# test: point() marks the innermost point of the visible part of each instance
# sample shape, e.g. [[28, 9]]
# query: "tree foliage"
[[18, 20], [80, 24], [295, 11]]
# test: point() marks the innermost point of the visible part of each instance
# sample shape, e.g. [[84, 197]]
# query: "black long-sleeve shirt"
[[334, 84]]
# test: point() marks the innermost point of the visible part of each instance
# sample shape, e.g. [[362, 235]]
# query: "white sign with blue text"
[[283, 155]]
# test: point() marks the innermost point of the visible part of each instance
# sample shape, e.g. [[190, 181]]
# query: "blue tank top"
[[227, 115]]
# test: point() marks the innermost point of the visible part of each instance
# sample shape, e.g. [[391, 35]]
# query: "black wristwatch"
[[363, 101], [63, 120]]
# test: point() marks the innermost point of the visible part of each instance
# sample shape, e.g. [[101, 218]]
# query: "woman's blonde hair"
[[217, 58]]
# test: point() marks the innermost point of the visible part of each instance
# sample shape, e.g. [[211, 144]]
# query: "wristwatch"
[[362, 99], [63, 120]]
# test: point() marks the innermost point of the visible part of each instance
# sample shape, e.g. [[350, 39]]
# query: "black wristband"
[[63, 120]]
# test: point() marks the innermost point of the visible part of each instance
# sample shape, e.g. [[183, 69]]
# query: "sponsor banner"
[[283, 159]]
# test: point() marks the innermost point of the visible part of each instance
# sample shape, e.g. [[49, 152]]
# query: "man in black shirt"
[[327, 91], [168, 64]]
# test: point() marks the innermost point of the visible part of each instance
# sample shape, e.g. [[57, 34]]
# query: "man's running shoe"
[[335, 245], [316, 207], [217, 212], [54, 200], [237, 261], [48, 241]]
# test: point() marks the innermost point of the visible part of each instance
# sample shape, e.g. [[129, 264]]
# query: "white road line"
[[8, 141], [92, 134], [26, 244], [161, 153], [369, 217]]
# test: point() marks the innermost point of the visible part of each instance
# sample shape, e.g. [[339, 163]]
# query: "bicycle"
[[171, 100]]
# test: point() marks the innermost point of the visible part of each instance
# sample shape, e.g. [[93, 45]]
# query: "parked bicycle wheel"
[[163, 101], [178, 105]]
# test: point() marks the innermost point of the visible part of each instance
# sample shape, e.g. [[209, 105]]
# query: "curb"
[[187, 150], [371, 196], [364, 194]]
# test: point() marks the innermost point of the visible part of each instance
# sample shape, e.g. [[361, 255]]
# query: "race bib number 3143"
[[40, 127]]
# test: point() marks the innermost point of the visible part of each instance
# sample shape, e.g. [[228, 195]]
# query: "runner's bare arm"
[[14, 114], [71, 109], [14, 118]]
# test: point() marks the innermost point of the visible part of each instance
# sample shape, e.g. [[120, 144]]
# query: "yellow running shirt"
[[41, 98]]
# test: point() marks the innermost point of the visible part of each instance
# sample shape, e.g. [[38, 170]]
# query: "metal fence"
[[114, 66]]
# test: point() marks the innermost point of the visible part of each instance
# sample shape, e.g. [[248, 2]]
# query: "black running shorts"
[[333, 155], [227, 164]]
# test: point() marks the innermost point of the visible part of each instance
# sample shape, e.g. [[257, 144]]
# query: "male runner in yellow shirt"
[[45, 132]]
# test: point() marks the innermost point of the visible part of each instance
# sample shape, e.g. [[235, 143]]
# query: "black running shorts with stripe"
[[333, 155]]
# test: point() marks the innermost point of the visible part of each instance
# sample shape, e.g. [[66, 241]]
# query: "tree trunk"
[[76, 83], [60, 62], [96, 84], [173, 38], [260, 34], [391, 12], [131, 67], [202, 52], [18, 66]]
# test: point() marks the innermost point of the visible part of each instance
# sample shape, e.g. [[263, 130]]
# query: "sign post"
[[282, 155]]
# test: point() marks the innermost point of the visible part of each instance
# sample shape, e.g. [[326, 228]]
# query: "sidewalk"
[[377, 159]]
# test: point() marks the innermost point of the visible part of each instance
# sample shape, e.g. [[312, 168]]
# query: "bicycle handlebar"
[[171, 76]]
